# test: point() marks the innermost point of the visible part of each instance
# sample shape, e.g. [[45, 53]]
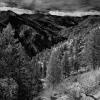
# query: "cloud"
[[69, 5], [60, 4]]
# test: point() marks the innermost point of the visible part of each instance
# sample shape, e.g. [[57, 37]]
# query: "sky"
[[66, 5]]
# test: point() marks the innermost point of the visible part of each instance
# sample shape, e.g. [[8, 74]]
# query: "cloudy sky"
[[69, 5]]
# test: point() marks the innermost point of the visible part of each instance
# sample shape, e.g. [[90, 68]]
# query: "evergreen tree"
[[15, 63]]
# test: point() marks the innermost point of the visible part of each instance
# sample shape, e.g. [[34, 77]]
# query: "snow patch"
[[17, 10], [74, 13], [57, 13]]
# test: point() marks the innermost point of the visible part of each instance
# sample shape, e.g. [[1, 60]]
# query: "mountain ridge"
[[52, 12]]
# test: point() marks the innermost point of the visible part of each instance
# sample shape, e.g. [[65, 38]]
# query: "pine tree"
[[16, 64]]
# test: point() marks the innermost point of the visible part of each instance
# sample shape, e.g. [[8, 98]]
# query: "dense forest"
[[44, 47]]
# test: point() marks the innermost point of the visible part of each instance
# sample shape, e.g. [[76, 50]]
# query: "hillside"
[[49, 57]]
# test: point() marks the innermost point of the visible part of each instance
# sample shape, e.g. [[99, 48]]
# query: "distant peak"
[[52, 12]]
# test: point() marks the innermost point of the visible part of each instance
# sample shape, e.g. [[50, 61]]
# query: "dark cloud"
[[55, 4]]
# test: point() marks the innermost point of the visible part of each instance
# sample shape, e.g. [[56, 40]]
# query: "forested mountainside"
[[46, 57], [47, 28]]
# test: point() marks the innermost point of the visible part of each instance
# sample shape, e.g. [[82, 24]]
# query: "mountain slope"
[[47, 29]]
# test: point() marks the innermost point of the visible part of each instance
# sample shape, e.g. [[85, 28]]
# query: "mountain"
[[49, 28], [51, 55]]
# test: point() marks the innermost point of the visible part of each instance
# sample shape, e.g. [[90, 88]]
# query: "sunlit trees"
[[16, 64], [54, 70]]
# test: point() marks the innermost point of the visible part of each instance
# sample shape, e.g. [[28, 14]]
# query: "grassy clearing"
[[75, 85], [89, 80]]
